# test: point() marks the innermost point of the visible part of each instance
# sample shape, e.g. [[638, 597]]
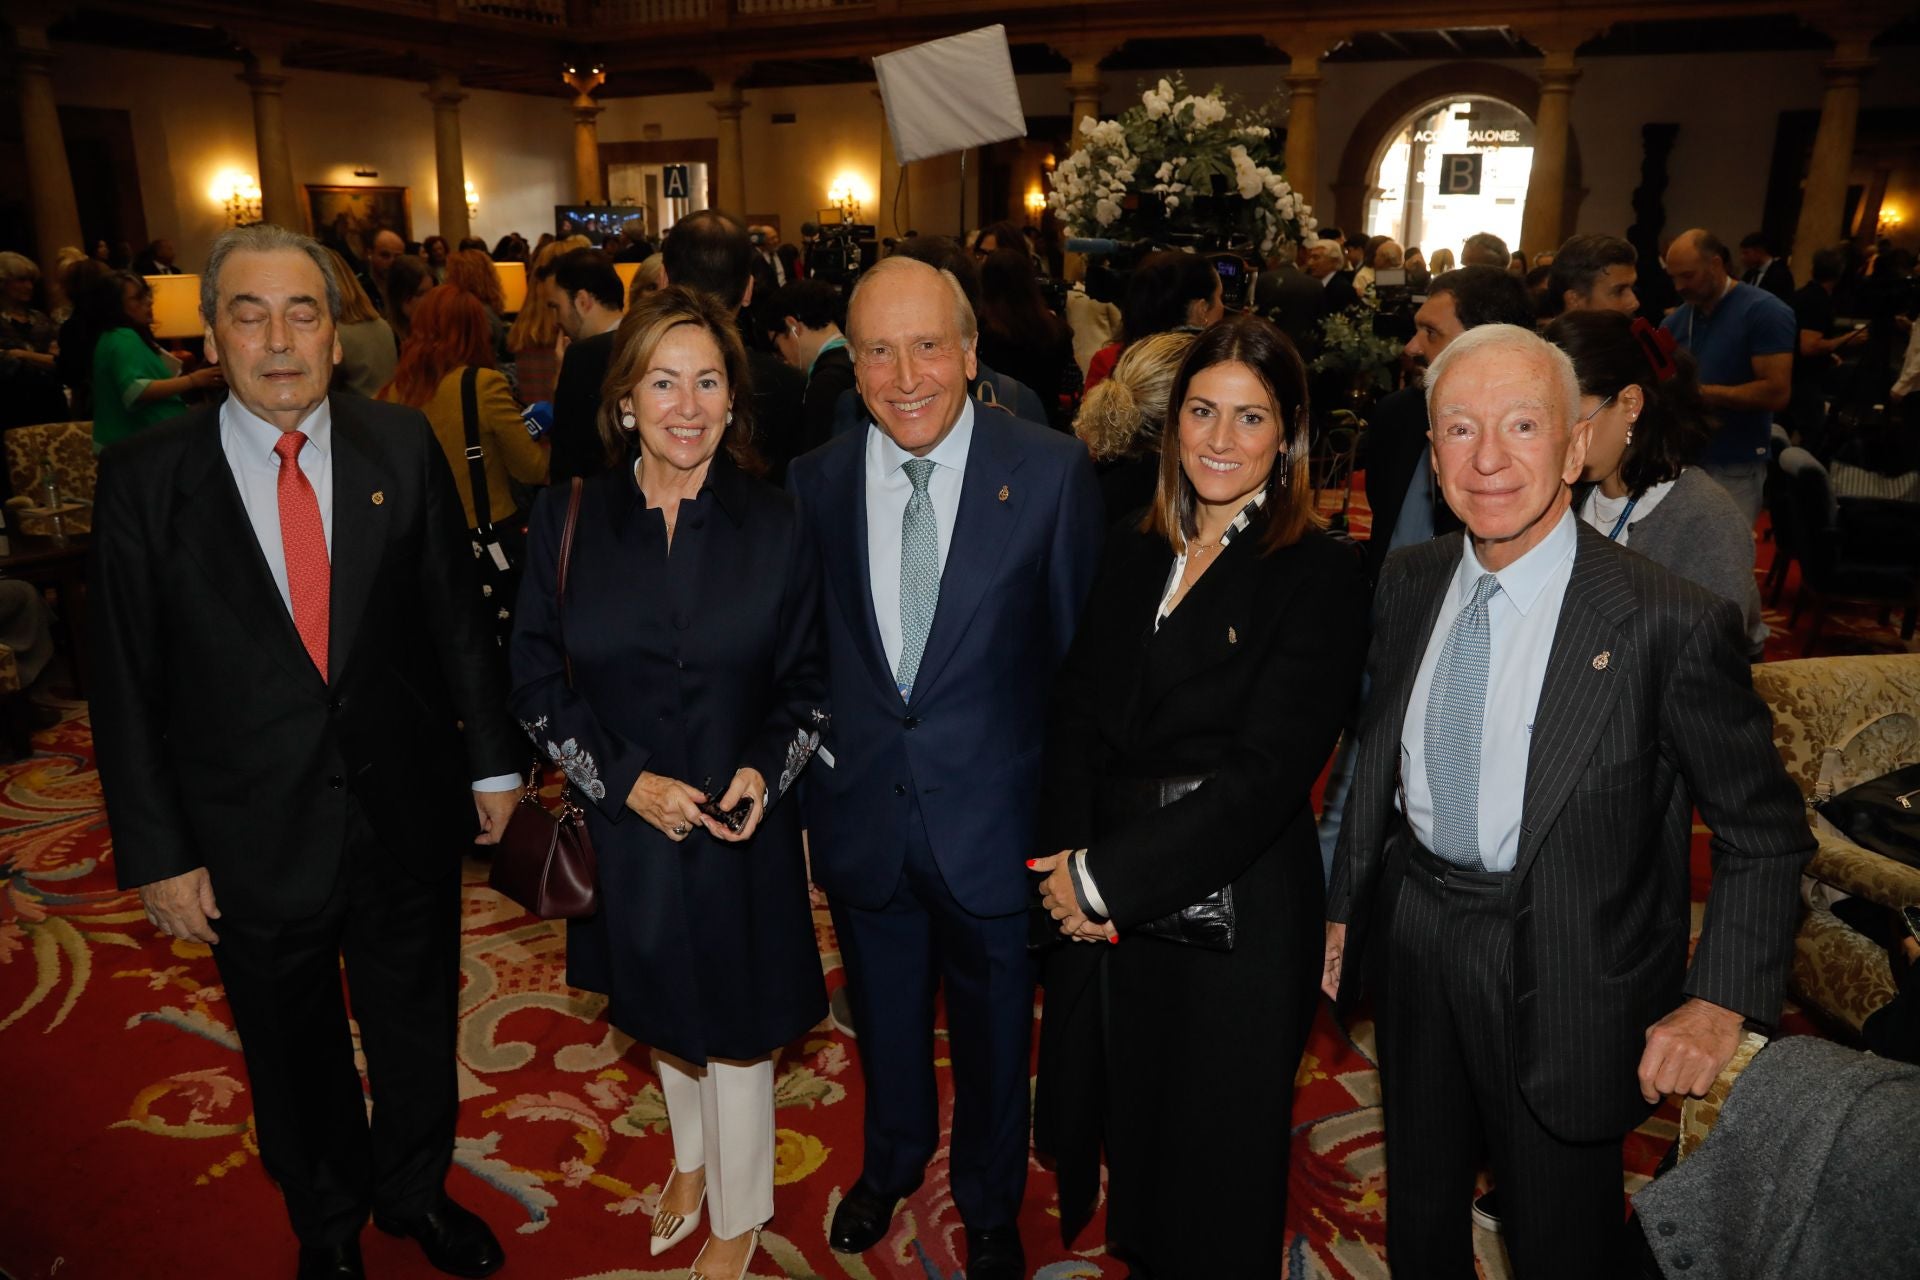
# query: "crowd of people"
[[1005, 614]]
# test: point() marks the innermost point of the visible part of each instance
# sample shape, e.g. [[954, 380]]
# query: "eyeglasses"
[[1596, 410]]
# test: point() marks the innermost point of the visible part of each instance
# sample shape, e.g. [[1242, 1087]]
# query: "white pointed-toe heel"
[[745, 1265], [669, 1229]]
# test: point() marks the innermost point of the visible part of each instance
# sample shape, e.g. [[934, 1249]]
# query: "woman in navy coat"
[[690, 623]]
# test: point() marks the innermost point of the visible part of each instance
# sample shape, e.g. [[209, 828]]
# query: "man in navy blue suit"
[[959, 543]]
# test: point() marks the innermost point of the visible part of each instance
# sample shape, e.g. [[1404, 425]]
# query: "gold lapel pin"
[[1601, 659], [1003, 493], [1233, 637], [379, 496]]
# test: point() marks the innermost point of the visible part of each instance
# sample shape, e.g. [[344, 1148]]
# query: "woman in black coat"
[[689, 620], [1219, 654]]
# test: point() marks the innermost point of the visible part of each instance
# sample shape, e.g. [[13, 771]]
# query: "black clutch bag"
[[1881, 814], [1208, 923]]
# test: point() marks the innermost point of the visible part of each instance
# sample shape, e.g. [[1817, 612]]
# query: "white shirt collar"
[[950, 452], [256, 433], [1522, 581]]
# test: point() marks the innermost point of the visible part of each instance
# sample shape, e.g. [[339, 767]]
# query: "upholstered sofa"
[[1817, 703], [69, 447]]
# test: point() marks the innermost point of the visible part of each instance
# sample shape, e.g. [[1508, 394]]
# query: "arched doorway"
[[1423, 92], [1454, 168]]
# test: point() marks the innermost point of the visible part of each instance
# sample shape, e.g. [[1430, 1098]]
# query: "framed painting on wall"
[[347, 217]]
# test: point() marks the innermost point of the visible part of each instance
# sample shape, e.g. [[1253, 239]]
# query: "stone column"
[[56, 215], [444, 93], [279, 197], [587, 187], [1084, 86], [1303, 125], [728, 106], [1543, 224], [1823, 197]]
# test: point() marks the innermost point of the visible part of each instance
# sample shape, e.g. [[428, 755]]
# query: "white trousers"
[[721, 1117]]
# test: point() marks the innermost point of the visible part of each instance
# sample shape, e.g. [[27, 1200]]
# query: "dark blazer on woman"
[[691, 665], [1247, 682]]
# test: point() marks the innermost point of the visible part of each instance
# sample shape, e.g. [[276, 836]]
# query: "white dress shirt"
[[1521, 620], [248, 441], [887, 492]]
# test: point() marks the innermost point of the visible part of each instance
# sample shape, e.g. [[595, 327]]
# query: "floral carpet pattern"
[[127, 1120]]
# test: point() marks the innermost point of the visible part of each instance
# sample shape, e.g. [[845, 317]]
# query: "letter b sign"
[[1460, 174]]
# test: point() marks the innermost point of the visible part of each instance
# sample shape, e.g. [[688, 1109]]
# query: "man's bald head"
[[387, 245], [1698, 261]]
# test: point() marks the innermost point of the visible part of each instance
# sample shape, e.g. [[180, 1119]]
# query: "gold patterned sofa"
[[1819, 703], [69, 447]]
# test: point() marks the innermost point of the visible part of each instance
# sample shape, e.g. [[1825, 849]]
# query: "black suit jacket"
[[219, 744], [575, 435], [1340, 291], [1295, 301], [1391, 446], [1647, 701], [1777, 280]]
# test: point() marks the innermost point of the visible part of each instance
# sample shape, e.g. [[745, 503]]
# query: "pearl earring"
[[626, 422], [729, 417], [1629, 433]]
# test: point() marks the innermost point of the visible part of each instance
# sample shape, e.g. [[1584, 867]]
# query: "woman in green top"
[[135, 383]]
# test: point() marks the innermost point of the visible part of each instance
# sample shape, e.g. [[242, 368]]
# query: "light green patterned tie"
[[919, 574]]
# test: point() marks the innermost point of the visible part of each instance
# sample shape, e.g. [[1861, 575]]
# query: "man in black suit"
[[1545, 710], [1295, 300], [711, 252], [1399, 481], [587, 299], [287, 640], [1764, 271]]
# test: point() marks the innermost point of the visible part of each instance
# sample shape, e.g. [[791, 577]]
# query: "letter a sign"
[[674, 186], [1460, 175]]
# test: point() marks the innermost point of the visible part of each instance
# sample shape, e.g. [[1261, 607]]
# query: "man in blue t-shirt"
[[1743, 340]]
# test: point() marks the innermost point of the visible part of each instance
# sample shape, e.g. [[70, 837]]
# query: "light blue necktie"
[[1456, 710], [919, 573]]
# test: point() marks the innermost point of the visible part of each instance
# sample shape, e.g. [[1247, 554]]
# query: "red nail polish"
[[1115, 939], [1030, 862]]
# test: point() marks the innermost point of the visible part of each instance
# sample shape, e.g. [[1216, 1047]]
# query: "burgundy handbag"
[[544, 863]]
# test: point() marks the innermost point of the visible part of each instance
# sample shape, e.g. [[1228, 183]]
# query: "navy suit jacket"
[[1026, 544]]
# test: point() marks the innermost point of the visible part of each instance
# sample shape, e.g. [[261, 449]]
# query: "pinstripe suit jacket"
[[1621, 750]]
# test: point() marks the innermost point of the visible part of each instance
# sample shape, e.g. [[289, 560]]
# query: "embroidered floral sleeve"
[[574, 760], [799, 751]]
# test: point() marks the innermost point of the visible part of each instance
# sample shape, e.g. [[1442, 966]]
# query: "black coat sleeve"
[[1721, 735], [798, 714], [129, 690], [601, 764], [449, 595], [1299, 700]]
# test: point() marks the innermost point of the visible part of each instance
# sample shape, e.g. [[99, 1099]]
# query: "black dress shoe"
[[995, 1254], [455, 1240], [332, 1261], [862, 1220]]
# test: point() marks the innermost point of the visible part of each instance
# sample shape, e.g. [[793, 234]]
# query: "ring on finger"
[[682, 829]]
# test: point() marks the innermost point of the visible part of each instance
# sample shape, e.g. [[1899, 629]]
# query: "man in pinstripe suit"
[[1546, 708]]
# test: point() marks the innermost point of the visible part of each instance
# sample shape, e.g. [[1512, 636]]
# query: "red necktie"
[[304, 541]]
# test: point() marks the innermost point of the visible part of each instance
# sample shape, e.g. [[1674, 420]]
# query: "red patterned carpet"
[[130, 1152]]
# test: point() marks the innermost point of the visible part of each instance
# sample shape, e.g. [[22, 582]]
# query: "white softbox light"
[[948, 95]]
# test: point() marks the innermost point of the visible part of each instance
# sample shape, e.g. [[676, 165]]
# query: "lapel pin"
[[1601, 659], [1233, 637], [379, 496], [1003, 493]]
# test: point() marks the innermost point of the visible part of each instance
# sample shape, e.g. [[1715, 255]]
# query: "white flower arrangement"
[[1181, 166]]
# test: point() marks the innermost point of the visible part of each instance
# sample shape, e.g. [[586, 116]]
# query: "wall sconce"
[[238, 194], [473, 202], [847, 194], [1036, 204], [1890, 220]]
